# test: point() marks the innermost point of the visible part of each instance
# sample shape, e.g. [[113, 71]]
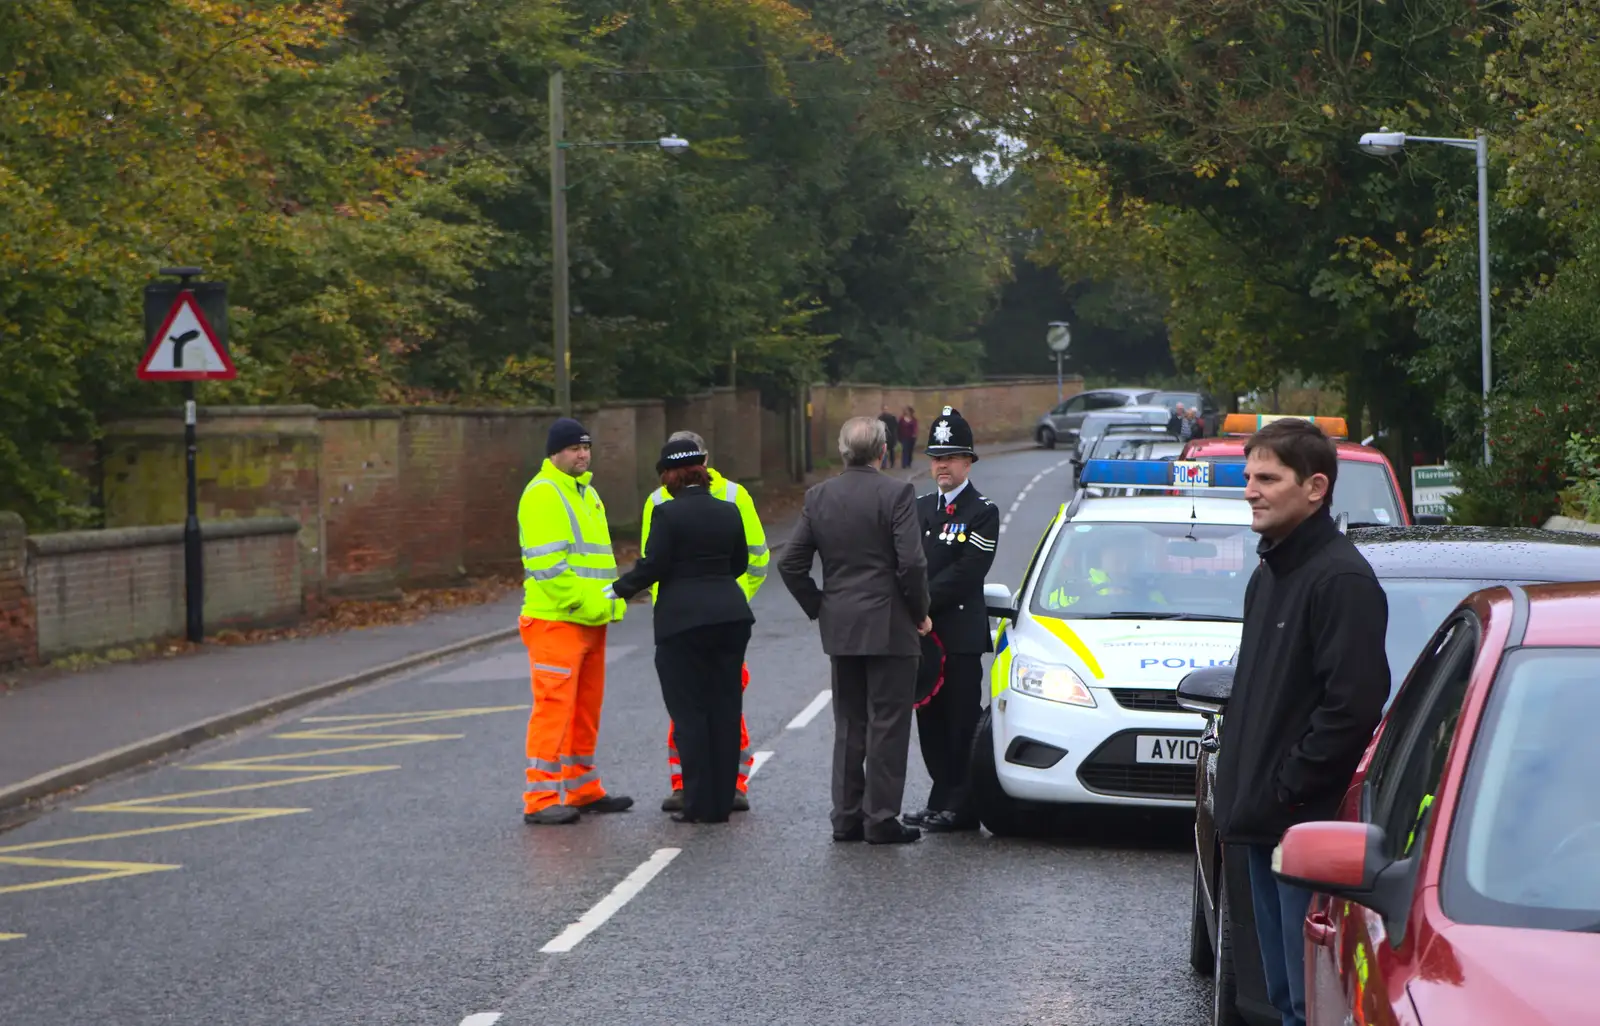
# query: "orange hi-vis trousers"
[[747, 758], [569, 682]]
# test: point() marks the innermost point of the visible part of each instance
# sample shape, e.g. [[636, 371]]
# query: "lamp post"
[[1058, 338], [559, 298], [1385, 144]]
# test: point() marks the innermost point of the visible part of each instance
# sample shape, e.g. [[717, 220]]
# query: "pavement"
[[361, 859]]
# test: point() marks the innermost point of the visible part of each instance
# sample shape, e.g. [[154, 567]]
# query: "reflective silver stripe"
[[731, 493], [577, 760], [548, 573], [550, 668], [756, 571], [746, 755], [546, 549], [545, 765], [584, 571], [554, 787], [658, 496], [591, 549], [572, 516], [756, 550], [579, 781]]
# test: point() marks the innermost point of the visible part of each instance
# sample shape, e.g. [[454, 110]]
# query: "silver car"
[[1063, 422], [1095, 423]]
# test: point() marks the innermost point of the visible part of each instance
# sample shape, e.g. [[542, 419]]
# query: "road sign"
[[185, 348], [1430, 487], [1059, 337]]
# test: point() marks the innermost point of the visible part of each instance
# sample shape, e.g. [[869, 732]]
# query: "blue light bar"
[[1161, 474]]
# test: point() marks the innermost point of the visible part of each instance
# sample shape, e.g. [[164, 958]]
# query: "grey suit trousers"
[[872, 713]]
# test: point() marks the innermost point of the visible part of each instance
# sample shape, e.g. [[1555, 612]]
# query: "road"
[[363, 861]]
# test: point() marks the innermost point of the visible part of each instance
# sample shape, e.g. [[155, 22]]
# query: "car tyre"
[[1004, 815], [1201, 956], [1225, 986], [1047, 438]]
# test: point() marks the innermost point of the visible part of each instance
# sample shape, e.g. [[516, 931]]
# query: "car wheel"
[[1225, 986], [1047, 438], [1004, 815], [1200, 953]]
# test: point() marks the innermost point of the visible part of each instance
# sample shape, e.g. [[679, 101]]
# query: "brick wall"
[[998, 411], [361, 496], [101, 589], [17, 631], [502, 451]]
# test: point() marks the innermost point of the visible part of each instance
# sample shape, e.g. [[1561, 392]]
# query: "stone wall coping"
[[1559, 523], [11, 522], [68, 542], [1021, 380], [165, 412]]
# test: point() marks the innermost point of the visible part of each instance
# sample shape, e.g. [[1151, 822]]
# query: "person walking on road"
[[908, 435], [1310, 685], [959, 531], [891, 428], [567, 565], [755, 538], [873, 607], [696, 554]]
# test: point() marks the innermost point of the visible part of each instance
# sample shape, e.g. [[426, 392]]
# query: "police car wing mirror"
[[1001, 604], [1206, 691]]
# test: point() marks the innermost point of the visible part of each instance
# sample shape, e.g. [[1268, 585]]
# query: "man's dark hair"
[[1301, 446]]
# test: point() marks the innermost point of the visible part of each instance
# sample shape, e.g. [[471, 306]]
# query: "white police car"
[[1127, 592]]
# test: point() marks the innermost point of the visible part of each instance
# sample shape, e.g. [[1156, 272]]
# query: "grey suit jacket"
[[874, 575]]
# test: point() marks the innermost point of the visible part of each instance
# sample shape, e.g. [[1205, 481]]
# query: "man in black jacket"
[[1310, 687], [959, 531]]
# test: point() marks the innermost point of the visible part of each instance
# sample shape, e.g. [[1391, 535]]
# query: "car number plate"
[[1165, 748]]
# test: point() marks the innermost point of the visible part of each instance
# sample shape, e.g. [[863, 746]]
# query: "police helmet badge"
[[950, 435]]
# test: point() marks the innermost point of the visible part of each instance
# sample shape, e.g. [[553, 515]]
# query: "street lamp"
[[560, 302], [1387, 144]]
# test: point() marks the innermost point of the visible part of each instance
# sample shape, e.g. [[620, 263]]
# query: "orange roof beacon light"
[[1250, 423]]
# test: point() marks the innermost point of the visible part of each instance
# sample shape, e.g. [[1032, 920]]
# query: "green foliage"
[[1582, 498]]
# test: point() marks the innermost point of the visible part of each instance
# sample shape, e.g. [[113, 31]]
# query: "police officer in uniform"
[[959, 531]]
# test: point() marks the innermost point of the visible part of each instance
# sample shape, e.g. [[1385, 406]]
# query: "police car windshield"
[[1157, 571], [1363, 493]]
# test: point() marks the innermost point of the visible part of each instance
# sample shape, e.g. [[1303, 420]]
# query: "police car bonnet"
[[950, 435]]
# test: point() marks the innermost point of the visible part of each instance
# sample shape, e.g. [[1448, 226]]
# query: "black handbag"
[[930, 674]]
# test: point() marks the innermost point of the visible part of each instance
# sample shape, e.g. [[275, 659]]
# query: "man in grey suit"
[[864, 526]]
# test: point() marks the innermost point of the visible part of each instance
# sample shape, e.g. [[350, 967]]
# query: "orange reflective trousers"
[[569, 682], [747, 758]]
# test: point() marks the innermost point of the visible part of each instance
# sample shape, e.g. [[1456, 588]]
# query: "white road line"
[[759, 760], [809, 713], [481, 1019], [608, 906]]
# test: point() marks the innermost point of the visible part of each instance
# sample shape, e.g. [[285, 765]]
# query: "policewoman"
[[959, 531], [697, 552]]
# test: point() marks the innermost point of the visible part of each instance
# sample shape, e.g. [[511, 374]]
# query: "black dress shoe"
[[894, 833], [610, 803], [918, 818], [949, 823], [855, 833]]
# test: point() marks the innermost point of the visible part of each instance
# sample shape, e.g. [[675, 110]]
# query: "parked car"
[[1061, 424], [1425, 572], [1094, 425], [1130, 442], [1461, 883]]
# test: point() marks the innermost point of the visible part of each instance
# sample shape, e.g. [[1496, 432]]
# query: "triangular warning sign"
[[186, 349]]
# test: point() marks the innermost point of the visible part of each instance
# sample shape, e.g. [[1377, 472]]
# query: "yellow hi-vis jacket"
[[567, 561], [755, 538]]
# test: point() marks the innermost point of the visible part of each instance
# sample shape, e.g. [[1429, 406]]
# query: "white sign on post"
[[186, 349], [1430, 487]]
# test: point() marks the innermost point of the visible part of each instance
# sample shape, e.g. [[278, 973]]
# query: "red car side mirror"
[[1347, 860]]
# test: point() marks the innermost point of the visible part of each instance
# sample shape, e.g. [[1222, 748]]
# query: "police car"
[[1127, 591]]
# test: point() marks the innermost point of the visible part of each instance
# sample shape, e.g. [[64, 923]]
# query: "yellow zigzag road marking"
[[356, 728]]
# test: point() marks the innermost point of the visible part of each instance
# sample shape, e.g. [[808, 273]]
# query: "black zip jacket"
[[1310, 687]]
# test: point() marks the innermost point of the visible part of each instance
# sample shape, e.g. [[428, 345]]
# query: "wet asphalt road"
[[364, 861]]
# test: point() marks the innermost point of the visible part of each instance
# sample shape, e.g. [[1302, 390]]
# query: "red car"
[[1462, 885], [1367, 492]]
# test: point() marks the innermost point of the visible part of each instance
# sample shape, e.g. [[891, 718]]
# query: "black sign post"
[[165, 360]]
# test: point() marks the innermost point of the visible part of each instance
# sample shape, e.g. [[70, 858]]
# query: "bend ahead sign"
[[1430, 486]]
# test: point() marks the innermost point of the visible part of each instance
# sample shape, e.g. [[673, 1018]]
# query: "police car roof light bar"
[[1162, 475], [1250, 423]]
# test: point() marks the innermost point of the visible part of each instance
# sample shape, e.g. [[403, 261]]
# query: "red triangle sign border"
[[229, 371]]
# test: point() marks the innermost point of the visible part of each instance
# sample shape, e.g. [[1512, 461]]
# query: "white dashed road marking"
[[758, 761], [481, 1019], [609, 905], [809, 713], [1022, 495]]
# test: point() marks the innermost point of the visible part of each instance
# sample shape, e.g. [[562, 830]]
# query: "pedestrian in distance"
[[908, 435], [1197, 424], [959, 531], [567, 567], [1309, 688], [696, 554], [755, 575], [1176, 421], [872, 608], [891, 427]]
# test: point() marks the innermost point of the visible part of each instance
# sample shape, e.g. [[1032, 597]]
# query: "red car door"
[[1357, 964]]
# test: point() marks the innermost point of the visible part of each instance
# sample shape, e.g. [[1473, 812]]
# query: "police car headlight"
[[1051, 683]]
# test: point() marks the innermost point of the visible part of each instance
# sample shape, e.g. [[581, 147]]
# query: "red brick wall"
[[431, 517], [503, 450], [361, 497], [998, 411], [17, 638]]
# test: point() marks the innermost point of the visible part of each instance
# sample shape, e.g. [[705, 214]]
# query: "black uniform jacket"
[[1310, 686], [696, 552], [959, 544]]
